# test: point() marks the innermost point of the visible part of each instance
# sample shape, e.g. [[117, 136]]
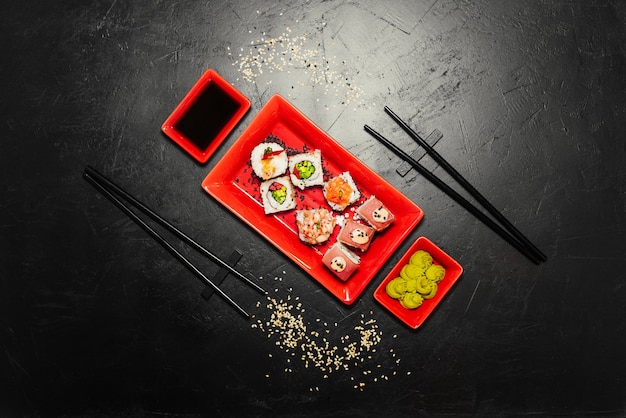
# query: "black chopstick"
[[456, 197], [466, 185], [109, 190], [190, 241]]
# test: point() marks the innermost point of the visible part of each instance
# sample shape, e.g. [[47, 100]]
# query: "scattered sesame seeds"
[[291, 54], [306, 341]]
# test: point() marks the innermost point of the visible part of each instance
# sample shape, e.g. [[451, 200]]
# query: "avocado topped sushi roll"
[[305, 169]]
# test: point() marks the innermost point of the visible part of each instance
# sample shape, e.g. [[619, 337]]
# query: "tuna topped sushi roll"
[[341, 261], [269, 160], [341, 191], [306, 169], [278, 195], [356, 235], [376, 213]]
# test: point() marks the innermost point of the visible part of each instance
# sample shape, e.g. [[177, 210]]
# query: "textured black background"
[[97, 319]]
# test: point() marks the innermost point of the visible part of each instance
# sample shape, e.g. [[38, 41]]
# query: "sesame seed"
[[278, 53], [313, 344]]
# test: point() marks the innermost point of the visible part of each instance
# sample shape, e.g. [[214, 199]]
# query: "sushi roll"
[[315, 226], [341, 261], [269, 160], [306, 169], [278, 195], [375, 213], [356, 235], [341, 191]]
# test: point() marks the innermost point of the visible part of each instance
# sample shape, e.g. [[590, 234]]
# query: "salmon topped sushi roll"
[[278, 195], [375, 213], [341, 261], [269, 160], [341, 191], [356, 235]]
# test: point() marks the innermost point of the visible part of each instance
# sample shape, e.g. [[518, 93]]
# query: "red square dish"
[[206, 115], [415, 317]]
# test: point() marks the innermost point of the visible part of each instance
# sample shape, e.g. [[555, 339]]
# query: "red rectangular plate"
[[233, 183], [415, 317]]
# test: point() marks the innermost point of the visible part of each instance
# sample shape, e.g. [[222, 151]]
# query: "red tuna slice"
[[356, 235], [341, 261], [375, 213]]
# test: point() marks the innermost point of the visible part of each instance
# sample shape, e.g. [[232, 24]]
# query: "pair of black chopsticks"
[[116, 195], [506, 230]]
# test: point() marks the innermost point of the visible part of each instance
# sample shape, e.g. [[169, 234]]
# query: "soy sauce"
[[207, 115]]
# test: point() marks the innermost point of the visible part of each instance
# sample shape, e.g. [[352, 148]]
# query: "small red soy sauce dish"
[[206, 115]]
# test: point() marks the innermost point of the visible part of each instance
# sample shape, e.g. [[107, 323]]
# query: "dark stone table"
[[99, 320]]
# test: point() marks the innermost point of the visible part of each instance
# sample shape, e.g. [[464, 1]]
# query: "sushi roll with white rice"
[[315, 226], [356, 235], [269, 160], [305, 169], [341, 191], [278, 195], [376, 213], [341, 261]]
